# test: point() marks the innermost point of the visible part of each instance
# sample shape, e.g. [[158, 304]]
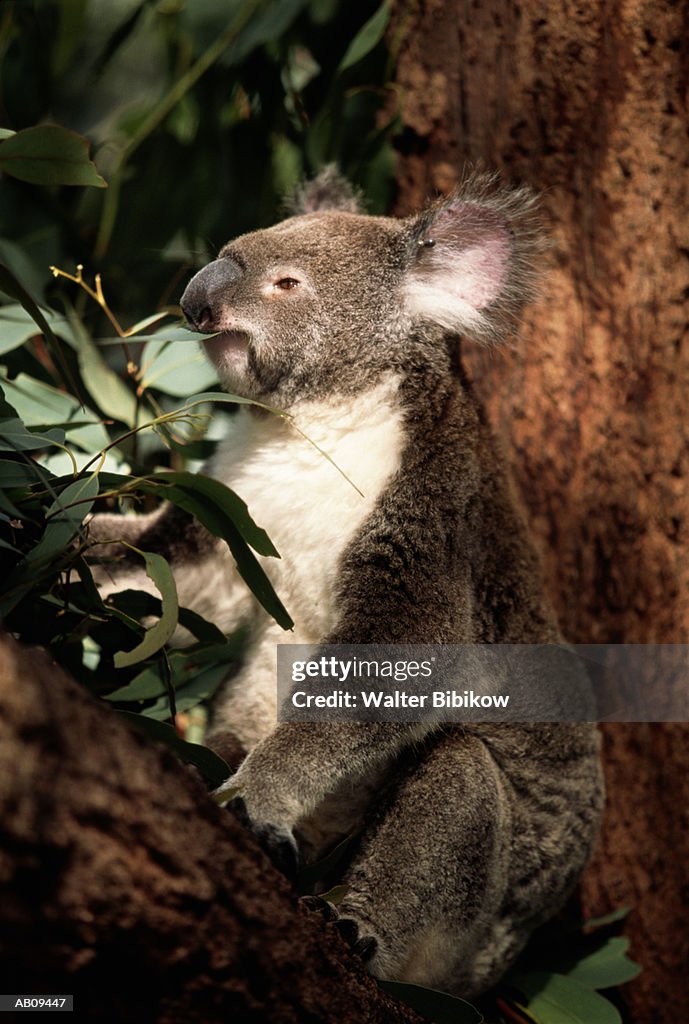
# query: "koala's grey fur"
[[470, 836]]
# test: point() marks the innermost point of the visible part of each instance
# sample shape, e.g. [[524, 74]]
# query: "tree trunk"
[[588, 102], [123, 883]]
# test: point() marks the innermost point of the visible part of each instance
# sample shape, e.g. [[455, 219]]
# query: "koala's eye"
[[285, 284]]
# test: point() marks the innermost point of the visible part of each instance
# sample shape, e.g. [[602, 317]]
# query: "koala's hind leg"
[[430, 876]]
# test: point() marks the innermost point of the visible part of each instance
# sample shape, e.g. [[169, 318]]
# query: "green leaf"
[[48, 154], [158, 570], [14, 437], [17, 326], [11, 284], [368, 36], [555, 999], [440, 1007], [335, 895], [185, 666], [172, 367], [201, 688], [224, 515], [270, 20], [139, 603], [143, 324], [64, 519], [40, 405], [24, 268], [21, 474], [220, 499], [606, 967], [212, 767], [109, 392]]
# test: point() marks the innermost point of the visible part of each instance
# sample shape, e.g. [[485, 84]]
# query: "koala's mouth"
[[228, 350]]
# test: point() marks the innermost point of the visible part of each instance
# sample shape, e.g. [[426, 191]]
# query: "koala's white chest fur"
[[308, 505]]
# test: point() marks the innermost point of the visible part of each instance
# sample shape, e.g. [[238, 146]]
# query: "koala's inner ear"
[[472, 258], [329, 190]]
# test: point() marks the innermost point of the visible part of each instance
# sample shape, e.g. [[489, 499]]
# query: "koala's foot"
[[362, 946], [278, 843]]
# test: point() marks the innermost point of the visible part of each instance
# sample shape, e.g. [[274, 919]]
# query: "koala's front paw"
[[278, 842]]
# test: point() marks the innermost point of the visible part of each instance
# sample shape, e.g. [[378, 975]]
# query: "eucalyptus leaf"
[[159, 571], [14, 437], [201, 688], [21, 474], [221, 499], [139, 603], [109, 392], [225, 515], [64, 517], [48, 154], [17, 326], [175, 368], [606, 967], [555, 999], [13, 286], [368, 36], [212, 767], [185, 666], [440, 1007], [40, 405]]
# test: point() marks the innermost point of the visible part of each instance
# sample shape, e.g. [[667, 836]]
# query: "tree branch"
[[123, 883]]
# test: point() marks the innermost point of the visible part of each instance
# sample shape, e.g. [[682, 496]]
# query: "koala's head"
[[330, 299]]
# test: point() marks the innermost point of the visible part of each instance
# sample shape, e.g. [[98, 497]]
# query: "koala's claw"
[[364, 948], [278, 843]]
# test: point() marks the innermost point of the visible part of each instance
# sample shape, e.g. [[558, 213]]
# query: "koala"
[[468, 837]]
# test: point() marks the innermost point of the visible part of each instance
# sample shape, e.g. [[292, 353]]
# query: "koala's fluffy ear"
[[329, 190], [473, 258]]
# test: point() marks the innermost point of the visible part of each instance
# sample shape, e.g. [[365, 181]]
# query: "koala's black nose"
[[208, 294]]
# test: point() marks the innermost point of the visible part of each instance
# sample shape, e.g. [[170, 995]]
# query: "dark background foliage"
[[217, 159]]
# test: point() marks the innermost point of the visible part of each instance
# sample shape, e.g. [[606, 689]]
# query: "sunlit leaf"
[[110, 392], [40, 405], [174, 367], [158, 570], [17, 326]]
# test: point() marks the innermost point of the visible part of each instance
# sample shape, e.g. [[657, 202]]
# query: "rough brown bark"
[[123, 883], [588, 102]]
